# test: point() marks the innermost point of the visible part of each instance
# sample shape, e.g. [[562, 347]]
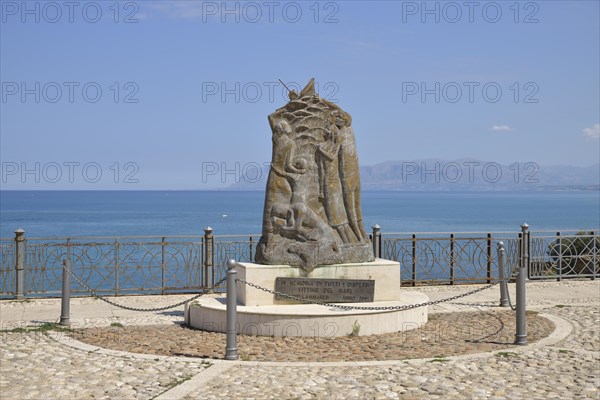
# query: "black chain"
[[505, 283], [380, 308], [510, 304], [292, 297], [104, 299]]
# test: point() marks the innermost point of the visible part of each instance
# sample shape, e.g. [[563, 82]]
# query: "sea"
[[227, 212]]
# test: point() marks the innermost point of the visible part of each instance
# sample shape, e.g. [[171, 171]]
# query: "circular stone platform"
[[309, 320]]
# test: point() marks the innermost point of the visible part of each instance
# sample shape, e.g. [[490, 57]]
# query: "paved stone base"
[[37, 365], [385, 273], [310, 320]]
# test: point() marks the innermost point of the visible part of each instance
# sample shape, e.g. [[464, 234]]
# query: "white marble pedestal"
[[260, 314]]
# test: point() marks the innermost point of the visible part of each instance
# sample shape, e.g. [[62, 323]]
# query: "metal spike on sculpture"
[[312, 213]]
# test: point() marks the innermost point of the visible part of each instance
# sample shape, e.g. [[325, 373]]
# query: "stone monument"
[[312, 213], [313, 245]]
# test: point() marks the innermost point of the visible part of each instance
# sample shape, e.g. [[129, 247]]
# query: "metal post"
[[380, 244], [560, 256], [452, 258], [528, 254], [251, 255], [501, 277], [521, 334], [65, 305], [208, 257], [231, 350], [594, 252], [377, 241], [489, 258], [414, 260], [116, 267], [19, 258], [163, 265]]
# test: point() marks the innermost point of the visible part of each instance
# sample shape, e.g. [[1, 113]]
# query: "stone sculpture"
[[312, 212]]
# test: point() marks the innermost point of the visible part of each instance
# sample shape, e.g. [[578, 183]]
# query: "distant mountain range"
[[464, 174]]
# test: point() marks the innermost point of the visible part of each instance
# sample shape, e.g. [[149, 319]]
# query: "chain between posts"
[[383, 308], [289, 296], [379, 308], [505, 284], [104, 299], [510, 304], [504, 292]]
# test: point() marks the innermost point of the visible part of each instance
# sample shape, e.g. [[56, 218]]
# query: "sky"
[[175, 94]]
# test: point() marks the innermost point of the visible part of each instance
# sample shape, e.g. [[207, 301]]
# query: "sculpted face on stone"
[[312, 212]]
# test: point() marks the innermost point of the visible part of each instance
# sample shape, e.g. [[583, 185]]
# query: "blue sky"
[[187, 85]]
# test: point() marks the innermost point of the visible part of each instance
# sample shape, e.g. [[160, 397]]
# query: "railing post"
[[380, 244], [116, 267], [414, 260], [594, 251], [377, 241], [527, 243], [521, 333], [489, 258], [208, 257], [502, 277], [560, 256], [231, 349], [65, 305], [19, 261], [452, 258], [251, 252], [162, 265]]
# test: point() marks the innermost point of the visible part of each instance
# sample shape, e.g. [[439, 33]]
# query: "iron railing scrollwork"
[[453, 258], [560, 255], [184, 264], [7, 267]]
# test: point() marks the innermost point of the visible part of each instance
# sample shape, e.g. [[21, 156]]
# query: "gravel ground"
[[445, 334]]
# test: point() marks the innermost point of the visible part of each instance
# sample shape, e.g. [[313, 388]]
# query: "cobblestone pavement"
[[540, 374], [35, 366], [569, 369]]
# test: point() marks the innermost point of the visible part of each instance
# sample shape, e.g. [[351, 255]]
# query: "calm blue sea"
[[168, 213]]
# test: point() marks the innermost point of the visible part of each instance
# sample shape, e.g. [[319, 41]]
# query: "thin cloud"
[[501, 128], [593, 132]]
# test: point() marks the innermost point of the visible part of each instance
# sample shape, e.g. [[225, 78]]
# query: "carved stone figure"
[[312, 210]]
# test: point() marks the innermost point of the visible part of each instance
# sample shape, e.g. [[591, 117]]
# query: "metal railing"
[[564, 254], [31, 267], [448, 258], [7, 267]]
